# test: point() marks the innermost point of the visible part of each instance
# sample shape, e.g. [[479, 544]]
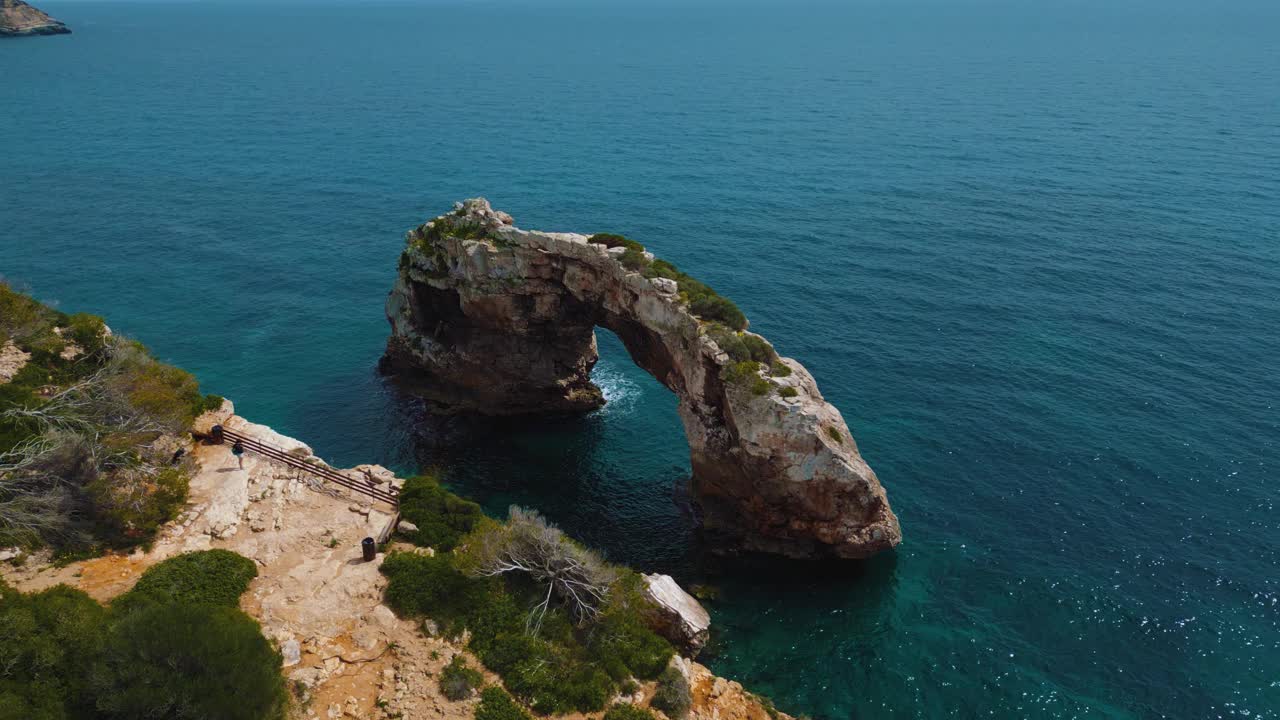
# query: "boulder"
[[681, 619]]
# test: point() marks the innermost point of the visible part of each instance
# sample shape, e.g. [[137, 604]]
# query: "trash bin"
[[215, 435], [370, 549]]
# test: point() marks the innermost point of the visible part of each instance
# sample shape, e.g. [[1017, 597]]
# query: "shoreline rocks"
[[18, 19], [681, 618], [492, 319]]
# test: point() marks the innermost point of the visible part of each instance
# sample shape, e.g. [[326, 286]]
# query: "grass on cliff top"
[[560, 663], [69, 657], [702, 300], [77, 427]]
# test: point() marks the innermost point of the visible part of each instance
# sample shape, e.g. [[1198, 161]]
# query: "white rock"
[[685, 622], [292, 652]]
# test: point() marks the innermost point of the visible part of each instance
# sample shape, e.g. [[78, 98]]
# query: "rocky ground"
[[18, 18], [12, 359], [346, 654]]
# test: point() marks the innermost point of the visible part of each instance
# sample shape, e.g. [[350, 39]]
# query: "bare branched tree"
[[87, 430], [571, 574]]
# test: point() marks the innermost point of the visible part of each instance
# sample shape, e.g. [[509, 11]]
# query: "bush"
[[741, 373], [87, 331], [611, 240], [211, 402], [48, 641], [457, 680], [442, 517], [778, 369], [496, 704], [672, 696], [432, 586], [130, 504], [663, 269], [835, 434], [215, 577], [788, 391], [554, 658], [633, 259], [188, 662], [759, 348], [717, 307], [65, 656], [627, 711], [729, 341]]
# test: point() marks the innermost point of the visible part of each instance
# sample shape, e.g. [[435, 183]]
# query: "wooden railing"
[[387, 495]]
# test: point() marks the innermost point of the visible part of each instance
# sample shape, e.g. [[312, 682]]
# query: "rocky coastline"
[[346, 654], [489, 318], [18, 19]]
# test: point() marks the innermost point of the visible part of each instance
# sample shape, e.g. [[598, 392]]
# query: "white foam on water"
[[620, 392]]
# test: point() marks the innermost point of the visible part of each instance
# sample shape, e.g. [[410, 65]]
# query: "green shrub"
[[457, 680], [717, 307], [565, 666], [210, 403], [633, 259], [663, 269], [759, 348], [835, 434], [788, 391], [455, 226], [432, 586], [627, 711], [216, 577], [729, 341], [166, 393], [87, 331], [132, 505], [442, 517], [611, 240], [778, 369], [672, 696], [741, 373], [48, 642], [496, 704], [188, 662]]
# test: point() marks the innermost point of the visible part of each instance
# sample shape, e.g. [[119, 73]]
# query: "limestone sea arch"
[[492, 319]]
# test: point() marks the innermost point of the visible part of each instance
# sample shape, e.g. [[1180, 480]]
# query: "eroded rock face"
[[18, 18], [681, 618], [489, 318]]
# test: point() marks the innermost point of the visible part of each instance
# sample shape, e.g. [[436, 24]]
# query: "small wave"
[[620, 392]]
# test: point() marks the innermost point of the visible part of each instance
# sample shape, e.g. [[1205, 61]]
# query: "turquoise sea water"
[[1031, 252]]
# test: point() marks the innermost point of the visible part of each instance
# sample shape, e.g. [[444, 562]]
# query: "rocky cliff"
[[489, 318], [18, 18]]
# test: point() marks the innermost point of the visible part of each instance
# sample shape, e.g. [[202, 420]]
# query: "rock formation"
[[489, 318], [344, 652], [682, 620], [18, 18]]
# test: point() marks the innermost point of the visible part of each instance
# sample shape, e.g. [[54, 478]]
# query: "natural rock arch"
[[489, 318]]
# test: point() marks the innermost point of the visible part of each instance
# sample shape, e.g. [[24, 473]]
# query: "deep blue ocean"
[[1030, 249]]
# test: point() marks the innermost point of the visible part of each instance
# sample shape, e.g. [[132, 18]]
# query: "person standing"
[[238, 450]]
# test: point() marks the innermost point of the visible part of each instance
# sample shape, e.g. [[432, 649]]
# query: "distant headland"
[[18, 19]]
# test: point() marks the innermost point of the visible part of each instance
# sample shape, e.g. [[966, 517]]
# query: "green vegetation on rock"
[[562, 628], [67, 657], [496, 704], [458, 680], [442, 518], [213, 577], [88, 425], [702, 300], [673, 696]]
